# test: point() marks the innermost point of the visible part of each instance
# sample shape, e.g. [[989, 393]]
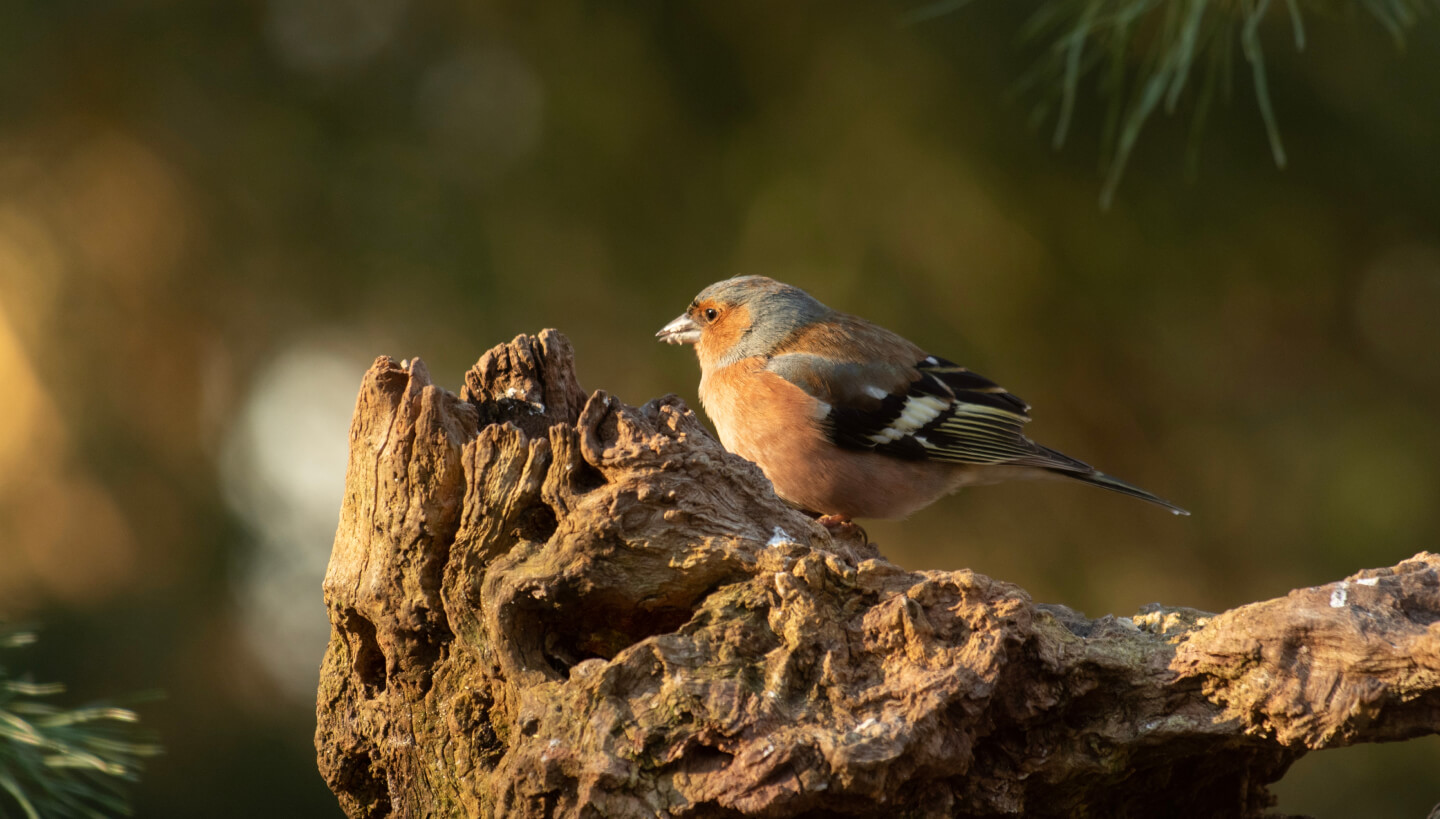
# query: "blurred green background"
[[214, 216]]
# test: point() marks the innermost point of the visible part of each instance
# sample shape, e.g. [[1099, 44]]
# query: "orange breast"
[[766, 419]]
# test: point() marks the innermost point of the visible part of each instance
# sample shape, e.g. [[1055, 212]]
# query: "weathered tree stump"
[[547, 604]]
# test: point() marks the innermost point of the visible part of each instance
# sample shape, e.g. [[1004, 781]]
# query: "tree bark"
[[548, 604]]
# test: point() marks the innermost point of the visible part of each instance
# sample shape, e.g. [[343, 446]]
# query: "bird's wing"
[[925, 409]]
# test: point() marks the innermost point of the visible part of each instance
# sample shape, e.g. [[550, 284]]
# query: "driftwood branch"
[[544, 603]]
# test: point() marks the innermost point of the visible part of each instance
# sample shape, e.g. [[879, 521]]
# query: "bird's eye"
[[711, 313]]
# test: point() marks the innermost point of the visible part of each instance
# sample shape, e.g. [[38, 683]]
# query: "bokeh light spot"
[[283, 472], [484, 107], [320, 36], [31, 271], [124, 209], [78, 544]]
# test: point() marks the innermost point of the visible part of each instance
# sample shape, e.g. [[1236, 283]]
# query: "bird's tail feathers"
[[1068, 467]]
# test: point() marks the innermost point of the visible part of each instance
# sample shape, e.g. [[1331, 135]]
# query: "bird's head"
[[742, 317]]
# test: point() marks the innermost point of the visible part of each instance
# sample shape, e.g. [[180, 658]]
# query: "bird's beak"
[[682, 330]]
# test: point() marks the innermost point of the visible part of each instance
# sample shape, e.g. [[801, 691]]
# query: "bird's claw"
[[842, 526]]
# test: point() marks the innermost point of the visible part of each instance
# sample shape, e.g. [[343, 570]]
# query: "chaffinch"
[[847, 419]]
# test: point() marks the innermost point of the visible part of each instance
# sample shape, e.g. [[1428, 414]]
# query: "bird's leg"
[[842, 525]]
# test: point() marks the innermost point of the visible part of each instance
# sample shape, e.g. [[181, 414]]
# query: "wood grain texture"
[[551, 604]]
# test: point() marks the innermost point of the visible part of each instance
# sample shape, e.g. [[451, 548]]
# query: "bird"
[[848, 419]]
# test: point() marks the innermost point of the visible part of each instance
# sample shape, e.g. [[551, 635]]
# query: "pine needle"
[[1140, 53], [63, 763]]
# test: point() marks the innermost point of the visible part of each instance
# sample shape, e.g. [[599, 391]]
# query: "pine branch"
[[1142, 55], [58, 762]]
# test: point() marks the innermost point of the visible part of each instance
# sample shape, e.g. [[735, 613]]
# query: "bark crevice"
[[550, 603]]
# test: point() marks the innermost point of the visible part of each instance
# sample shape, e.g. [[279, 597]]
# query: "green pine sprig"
[[1147, 55], [58, 762]]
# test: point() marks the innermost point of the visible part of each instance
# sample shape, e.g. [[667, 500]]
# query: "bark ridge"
[[548, 603]]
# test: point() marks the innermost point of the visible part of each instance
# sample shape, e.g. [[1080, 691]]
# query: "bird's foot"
[[843, 526]]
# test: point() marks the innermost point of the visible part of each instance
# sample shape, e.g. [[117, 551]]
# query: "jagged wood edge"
[[492, 592]]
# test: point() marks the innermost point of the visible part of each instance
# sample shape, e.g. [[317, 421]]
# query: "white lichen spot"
[[1338, 597], [517, 394], [554, 743], [771, 694], [780, 536], [866, 724], [1368, 581], [769, 749]]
